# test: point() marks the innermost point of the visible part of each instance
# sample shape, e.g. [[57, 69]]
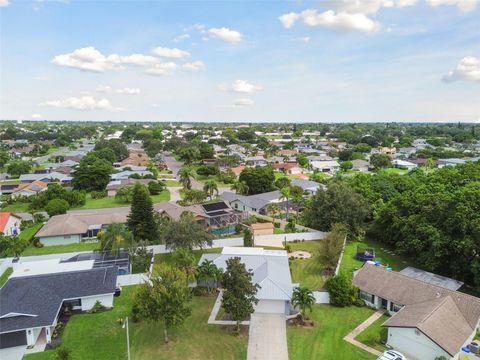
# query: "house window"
[[395, 307], [366, 296], [66, 236], [236, 206]]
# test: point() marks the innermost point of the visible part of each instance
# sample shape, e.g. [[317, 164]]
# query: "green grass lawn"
[[168, 258], [28, 233], [307, 272], [16, 207], [173, 183], [278, 231], [99, 336], [111, 202], [382, 252], [325, 340], [10, 182], [390, 171], [6, 274], [58, 249], [375, 335]]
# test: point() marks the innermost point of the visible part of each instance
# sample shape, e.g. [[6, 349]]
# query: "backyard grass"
[[168, 258], [10, 182], [278, 231], [307, 272], [325, 340], [112, 202], [28, 233], [58, 249], [375, 335], [6, 274], [16, 207], [382, 252], [99, 336]]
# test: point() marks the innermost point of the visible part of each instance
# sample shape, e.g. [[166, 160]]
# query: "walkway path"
[[267, 338], [355, 332]]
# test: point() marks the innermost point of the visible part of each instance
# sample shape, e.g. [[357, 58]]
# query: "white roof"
[[29, 268]]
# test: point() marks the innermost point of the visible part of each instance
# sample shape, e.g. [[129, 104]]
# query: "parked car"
[[391, 355]]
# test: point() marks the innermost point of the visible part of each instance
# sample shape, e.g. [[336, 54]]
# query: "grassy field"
[[375, 335], [307, 272], [58, 249], [16, 207], [29, 233], [6, 274], [111, 202], [99, 336], [387, 256], [325, 340]]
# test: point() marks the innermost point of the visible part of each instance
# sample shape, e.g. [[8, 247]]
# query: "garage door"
[[12, 339]]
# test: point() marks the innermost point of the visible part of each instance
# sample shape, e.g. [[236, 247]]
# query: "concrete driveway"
[[14, 353], [267, 338]]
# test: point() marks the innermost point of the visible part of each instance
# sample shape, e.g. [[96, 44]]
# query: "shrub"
[[39, 218], [62, 353], [155, 188], [97, 307], [98, 194], [206, 170], [247, 238], [341, 290], [57, 207]]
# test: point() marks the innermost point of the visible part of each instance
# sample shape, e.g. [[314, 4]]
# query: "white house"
[[330, 166], [32, 303], [270, 270], [398, 163], [428, 319], [10, 223]]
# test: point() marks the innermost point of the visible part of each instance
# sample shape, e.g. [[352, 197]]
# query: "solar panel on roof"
[[215, 206], [216, 213]]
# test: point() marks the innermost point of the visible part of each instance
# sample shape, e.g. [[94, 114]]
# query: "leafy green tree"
[[239, 295], [247, 238], [210, 274], [119, 149], [165, 298], [346, 165], [240, 187], [19, 167], [210, 187], [106, 154], [282, 182], [194, 196], [303, 298], [186, 174], [4, 158], [258, 179], [189, 155], [206, 151], [185, 233], [141, 220], [273, 209], [341, 290], [339, 203], [155, 187], [115, 237], [11, 245], [380, 161], [186, 261], [92, 174], [125, 194], [331, 246], [286, 196], [57, 207]]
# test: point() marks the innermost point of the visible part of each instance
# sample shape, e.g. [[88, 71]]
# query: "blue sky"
[[321, 61]]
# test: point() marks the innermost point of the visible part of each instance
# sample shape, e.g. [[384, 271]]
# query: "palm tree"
[[207, 272], [240, 187], [210, 187], [285, 195], [116, 237], [273, 209], [186, 174], [185, 260], [303, 298]]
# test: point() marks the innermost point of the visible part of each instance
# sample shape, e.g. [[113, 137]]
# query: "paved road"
[[267, 339], [44, 158], [175, 165]]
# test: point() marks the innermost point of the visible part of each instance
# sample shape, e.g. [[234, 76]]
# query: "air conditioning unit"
[[474, 347]]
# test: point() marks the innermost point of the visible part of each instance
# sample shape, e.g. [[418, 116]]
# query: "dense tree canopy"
[[258, 179]]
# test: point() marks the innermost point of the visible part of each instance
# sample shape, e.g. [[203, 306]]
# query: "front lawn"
[[325, 340], [112, 202], [6, 274], [383, 253], [307, 272], [59, 249], [29, 232], [375, 335], [172, 183], [17, 207], [99, 336]]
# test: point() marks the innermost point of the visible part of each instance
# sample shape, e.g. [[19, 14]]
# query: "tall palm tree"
[[273, 209], [240, 187], [285, 195], [185, 260], [186, 174], [207, 272], [303, 298], [210, 187], [116, 237]]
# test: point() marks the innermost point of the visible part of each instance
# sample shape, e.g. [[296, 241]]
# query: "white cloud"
[[194, 66], [225, 34], [181, 38], [289, 19], [170, 53], [4, 3], [162, 69], [126, 91], [135, 59], [243, 102], [240, 86], [462, 5], [81, 103], [37, 117], [468, 69]]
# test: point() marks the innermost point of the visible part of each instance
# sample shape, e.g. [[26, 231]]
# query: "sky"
[[241, 61]]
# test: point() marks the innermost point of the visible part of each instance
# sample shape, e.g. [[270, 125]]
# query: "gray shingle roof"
[[42, 295]]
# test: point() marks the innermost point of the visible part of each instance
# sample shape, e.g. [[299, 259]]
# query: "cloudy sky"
[[321, 61]]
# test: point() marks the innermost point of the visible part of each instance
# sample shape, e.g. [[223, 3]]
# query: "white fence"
[[305, 236], [131, 279]]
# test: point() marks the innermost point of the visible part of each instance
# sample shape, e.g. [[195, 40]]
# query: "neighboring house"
[[404, 164], [329, 166], [256, 161], [50, 177], [252, 203], [429, 318], [29, 189], [262, 228], [360, 165], [136, 157], [270, 270], [237, 170], [123, 175], [390, 151], [288, 168], [450, 162], [308, 186], [406, 151], [32, 304], [287, 152], [10, 223], [114, 185], [7, 189], [77, 226]]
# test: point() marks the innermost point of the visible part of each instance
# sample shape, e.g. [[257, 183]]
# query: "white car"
[[391, 355]]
